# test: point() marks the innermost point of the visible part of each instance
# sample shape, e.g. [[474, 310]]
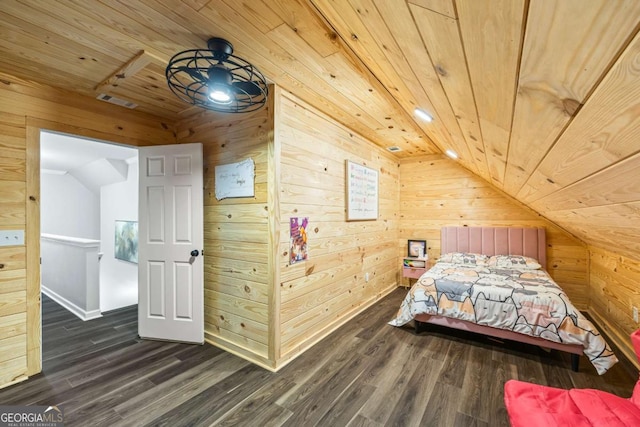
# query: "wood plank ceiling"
[[541, 97]]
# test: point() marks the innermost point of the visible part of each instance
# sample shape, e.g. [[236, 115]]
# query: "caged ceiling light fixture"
[[217, 80]]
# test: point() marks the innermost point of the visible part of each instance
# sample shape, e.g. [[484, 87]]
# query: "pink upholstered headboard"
[[529, 242]]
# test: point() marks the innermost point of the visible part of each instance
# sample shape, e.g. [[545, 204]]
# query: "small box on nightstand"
[[414, 262]]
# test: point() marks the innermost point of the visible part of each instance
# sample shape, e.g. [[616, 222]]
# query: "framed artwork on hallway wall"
[[126, 241]]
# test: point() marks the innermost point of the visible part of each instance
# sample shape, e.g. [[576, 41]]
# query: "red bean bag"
[[532, 405]]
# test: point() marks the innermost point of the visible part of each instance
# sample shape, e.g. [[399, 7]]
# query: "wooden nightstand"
[[413, 268]]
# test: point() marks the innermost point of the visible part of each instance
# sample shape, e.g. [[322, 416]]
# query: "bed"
[[491, 280]]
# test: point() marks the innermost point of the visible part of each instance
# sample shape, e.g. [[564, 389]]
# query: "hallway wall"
[[118, 278], [68, 208]]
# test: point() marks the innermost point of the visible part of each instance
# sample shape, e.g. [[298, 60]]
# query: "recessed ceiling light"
[[423, 115], [451, 154], [394, 149]]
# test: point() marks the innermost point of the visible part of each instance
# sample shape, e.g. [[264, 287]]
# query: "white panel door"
[[171, 267]]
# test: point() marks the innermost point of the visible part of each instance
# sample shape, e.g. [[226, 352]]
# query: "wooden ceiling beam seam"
[[132, 66]]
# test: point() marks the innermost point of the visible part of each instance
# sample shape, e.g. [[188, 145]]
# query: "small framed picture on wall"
[[417, 248]]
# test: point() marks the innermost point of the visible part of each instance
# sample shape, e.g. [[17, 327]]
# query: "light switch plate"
[[11, 237]]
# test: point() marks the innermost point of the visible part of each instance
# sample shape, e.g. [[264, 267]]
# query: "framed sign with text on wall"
[[362, 192]]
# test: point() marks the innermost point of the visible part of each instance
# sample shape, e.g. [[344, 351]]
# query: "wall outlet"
[[366, 279], [635, 314], [11, 237]]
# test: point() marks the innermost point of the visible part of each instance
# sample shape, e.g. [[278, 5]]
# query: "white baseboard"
[[82, 314]]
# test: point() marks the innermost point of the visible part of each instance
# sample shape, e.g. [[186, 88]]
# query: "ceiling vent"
[[117, 101], [394, 149]]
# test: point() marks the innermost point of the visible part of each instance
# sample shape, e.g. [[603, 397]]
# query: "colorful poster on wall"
[[299, 245]]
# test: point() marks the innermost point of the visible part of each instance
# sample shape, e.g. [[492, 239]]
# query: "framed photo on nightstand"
[[417, 248]]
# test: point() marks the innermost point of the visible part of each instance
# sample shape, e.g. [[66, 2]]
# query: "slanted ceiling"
[[541, 98]]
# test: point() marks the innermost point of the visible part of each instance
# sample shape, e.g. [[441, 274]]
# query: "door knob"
[[195, 252]]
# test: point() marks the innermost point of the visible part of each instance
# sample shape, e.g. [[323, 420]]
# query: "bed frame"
[[497, 241]]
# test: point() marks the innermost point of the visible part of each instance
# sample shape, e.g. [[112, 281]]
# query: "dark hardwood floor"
[[365, 374]]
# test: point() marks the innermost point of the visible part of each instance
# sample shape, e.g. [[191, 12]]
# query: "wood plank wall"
[[436, 192], [269, 311], [320, 294], [237, 275], [25, 108], [13, 277], [614, 286]]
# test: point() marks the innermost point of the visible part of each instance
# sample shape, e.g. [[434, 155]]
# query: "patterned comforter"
[[520, 300]]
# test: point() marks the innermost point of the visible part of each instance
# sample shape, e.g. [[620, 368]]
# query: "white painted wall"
[[118, 279], [70, 273], [68, 208]]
